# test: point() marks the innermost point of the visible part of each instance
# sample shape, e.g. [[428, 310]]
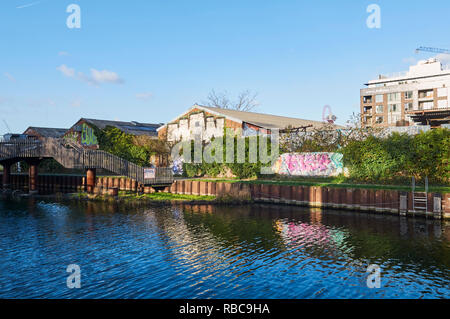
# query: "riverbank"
[[434, 204], [403, 203], [152, 198], [336, 182]]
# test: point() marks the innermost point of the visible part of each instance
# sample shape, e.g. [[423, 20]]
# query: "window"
[[393, 119], [408, 106], [379, 109], [379, 98], [367, 99], [393, 108], [442, 104], [426, 105], [393, 97], [442, 92], [408, 95], [426, 94], [379, 119], [367, 109]]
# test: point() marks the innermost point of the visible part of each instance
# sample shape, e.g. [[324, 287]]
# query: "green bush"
[[431, 154], [400, 156], [240, 170], [136, 149]]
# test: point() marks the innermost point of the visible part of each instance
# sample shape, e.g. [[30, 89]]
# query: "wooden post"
[[6, 175], [90, 179], [33, 176]]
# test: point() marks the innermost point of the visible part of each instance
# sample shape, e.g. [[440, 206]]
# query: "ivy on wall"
[[136, 149]]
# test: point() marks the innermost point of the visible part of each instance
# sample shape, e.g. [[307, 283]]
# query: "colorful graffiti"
[[177, 166], [88, 137], [71, 137], [309, 164]]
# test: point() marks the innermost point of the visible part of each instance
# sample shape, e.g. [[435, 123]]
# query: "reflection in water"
[[202, 251]]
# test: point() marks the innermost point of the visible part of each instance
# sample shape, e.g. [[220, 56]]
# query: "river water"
[[257, 251]]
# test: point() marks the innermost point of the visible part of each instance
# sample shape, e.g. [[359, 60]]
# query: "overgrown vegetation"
[[400, 156], [128, 196], [136, 149], [373, 156], [249, 166], [370, 155]]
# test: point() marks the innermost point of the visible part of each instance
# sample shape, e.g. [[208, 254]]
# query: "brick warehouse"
[[208, 122]]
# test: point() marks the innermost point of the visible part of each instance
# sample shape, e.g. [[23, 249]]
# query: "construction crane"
[[432, 50]]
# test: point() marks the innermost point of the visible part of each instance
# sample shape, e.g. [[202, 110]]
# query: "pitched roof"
[[47, 131], [267, 121], [134, 128]]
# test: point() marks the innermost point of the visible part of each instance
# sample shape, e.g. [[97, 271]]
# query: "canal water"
[[187, 251]]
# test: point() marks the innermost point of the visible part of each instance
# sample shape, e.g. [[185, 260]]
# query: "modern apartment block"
[[419, 96]]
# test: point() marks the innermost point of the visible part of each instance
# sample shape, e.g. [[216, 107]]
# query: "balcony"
[[426, 95], [367, 110], [367, 99]]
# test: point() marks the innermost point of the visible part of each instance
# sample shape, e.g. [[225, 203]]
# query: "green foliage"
[[248, 168], [400, 156], [134, 149], [432, 153]]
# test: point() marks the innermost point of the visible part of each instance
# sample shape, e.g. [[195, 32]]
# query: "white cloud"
[[105, 76], [10, 77], [144, 96], [95, 78], [69, 72]]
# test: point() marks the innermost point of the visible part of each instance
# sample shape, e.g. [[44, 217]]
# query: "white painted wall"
[[196, 126]]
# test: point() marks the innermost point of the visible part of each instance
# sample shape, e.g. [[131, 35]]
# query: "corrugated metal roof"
[[134, 128], [48, 131], [267, 121]]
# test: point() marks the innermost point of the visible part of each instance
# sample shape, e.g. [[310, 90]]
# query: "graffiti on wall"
[[177, 166], [71, 137], [309, 164], [196, 126], [88, 137]]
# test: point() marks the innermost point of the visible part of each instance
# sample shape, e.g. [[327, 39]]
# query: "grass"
[[127, 196], [340, 182], [163, 197]]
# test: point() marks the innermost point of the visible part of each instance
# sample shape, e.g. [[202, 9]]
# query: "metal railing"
[[79, 158]]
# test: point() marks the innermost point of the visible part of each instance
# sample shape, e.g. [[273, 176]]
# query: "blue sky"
[[149, 61]]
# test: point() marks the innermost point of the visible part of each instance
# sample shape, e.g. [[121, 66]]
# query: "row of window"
[[391, 97], [392, 108], [392, 119], [408, 95], [395, 108]]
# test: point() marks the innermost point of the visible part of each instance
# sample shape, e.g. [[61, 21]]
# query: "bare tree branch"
[[246, 101]]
